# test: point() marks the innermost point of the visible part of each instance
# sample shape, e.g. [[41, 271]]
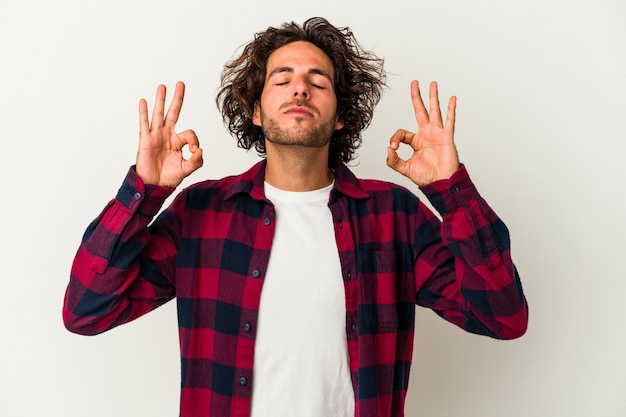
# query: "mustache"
[[299, 103]]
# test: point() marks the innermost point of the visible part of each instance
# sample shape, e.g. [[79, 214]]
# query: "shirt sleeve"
[[121, 270], [468, 276]]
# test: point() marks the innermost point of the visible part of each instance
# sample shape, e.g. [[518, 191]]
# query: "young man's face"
[[298, 104]]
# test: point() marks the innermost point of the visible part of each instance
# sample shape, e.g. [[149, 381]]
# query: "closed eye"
[[319, 81]]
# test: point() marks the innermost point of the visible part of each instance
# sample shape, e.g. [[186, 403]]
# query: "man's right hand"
[[160, 158]]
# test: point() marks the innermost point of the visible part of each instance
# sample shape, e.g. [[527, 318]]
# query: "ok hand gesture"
[[434, 153], [160, 158]]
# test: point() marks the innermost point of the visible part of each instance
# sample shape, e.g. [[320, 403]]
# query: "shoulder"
[[375, 195], [351, 185], [385, 193], [220, 191]]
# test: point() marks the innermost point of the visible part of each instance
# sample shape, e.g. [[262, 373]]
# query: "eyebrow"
[[316, 71]]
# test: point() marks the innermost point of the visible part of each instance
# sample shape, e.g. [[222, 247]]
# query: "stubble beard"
[[314, 137]]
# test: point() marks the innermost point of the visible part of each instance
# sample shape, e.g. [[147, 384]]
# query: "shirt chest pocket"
[[378, 309]]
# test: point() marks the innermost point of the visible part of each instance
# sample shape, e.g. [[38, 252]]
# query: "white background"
[[541, 87]]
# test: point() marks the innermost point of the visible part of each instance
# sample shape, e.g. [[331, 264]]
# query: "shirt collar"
[[347, 183], [251, 182]]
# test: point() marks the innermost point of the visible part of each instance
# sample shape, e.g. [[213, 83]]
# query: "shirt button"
[[243, 381], [137, 196], [455, 189], [247, 327], [267, 221], [353, 326], [256, 273]]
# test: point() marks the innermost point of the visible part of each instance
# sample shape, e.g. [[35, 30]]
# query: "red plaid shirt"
[[210, 250]]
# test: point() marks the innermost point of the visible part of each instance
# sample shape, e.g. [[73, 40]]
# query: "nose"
[[301, 89], [300, 94]]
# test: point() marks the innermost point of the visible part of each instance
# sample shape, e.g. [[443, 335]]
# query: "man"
[[296, 282]]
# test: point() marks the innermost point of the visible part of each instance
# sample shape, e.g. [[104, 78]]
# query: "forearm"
[[481, 287], [107, 284]]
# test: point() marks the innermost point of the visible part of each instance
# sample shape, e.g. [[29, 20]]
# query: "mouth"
[[299, 111]]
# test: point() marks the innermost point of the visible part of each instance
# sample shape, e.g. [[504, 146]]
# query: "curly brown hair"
[[359, 81]]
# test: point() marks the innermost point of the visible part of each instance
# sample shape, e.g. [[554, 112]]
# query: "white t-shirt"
[[301, 359]]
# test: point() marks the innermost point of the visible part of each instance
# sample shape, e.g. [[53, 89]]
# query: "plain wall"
[[540, 126]]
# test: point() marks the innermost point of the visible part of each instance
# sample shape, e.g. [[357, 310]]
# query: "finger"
[[144, 126], [421, 115], [189, 138], [177, 103], [451, 114], [194, 162], [394, 161], [159, 108], [435, 111], [401, 136]]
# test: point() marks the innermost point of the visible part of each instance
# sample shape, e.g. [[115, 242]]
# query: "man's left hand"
[[434, 153]]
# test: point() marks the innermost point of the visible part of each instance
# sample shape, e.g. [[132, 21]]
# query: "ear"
[[256, 115], [338, 123]]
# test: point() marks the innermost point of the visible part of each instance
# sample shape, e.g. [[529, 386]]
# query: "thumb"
[[194, 162], [394, 161]]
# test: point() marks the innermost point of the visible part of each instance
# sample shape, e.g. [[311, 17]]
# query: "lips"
[[299, 111]]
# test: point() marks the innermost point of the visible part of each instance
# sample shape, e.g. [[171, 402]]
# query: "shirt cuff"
[[137, 196], [448, 195]]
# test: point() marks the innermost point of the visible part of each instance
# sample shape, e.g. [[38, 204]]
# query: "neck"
[[297, 168]]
